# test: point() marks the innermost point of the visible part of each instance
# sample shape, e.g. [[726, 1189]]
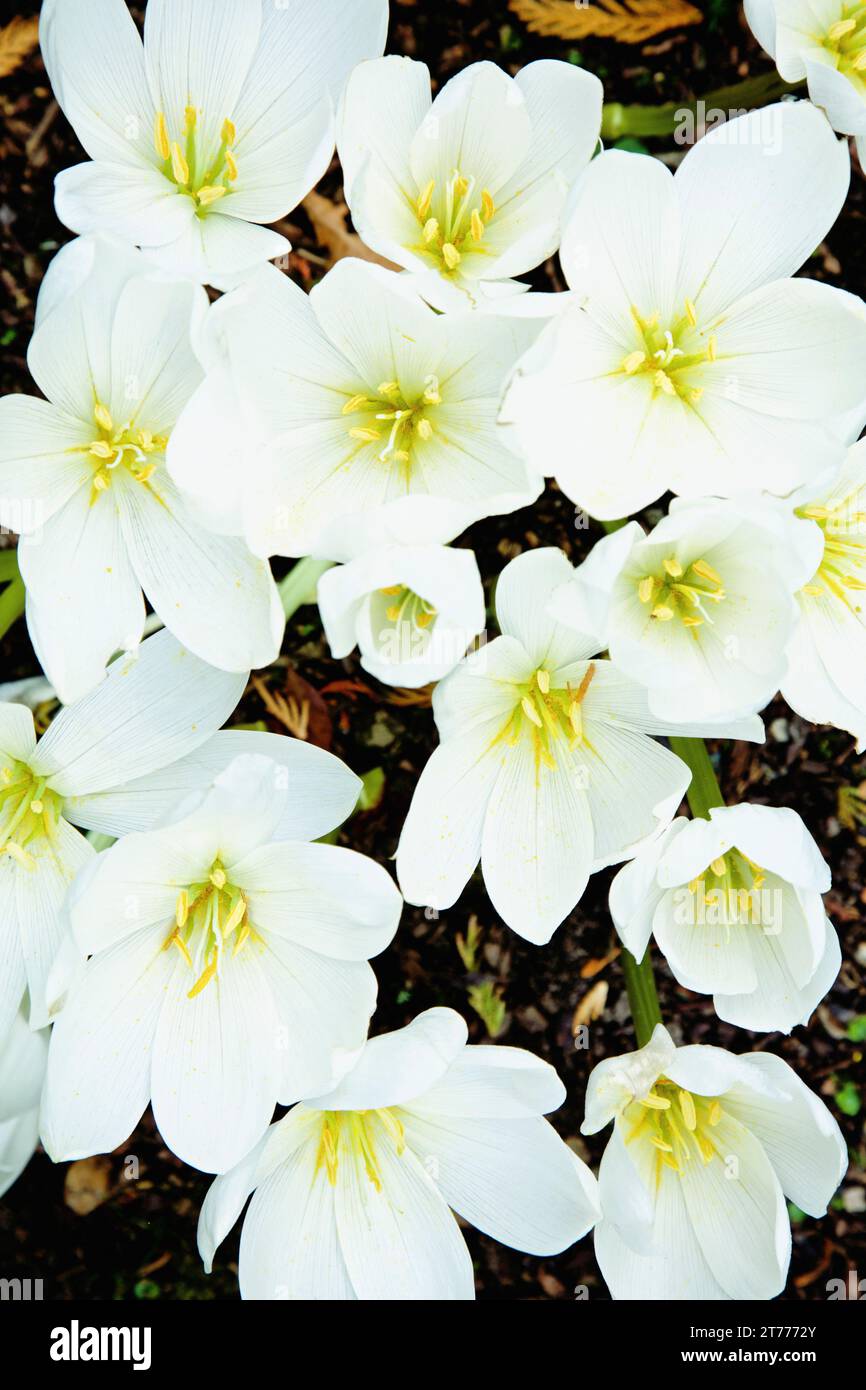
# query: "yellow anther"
[[228, 133], [687, 1106], [101, 481], [182, 908], [711, 349], [353, 404], [218, 878], [388, 388], [160, 136], [664, 383], [190, 119], [181, 945], [231, 166], [461, 186], [366, 434], [179, 166], [706, 571], [696, 393], [633, 362], [718, 866], [488, 207], [393, 612], [840, 29], [661, 1144], [211, 193], [102, 416], [654, 1102], [663, 612], [691, 313], [235, 917], [204, 978], [477, 226], [424, 201], [424, 429], [145, 439], [859, 62], [431, 230], [431, 393], [451, 255], [673, 567], [37, 808], [646, 588], [242, 937], [425, 617], [531, 712], [102, 449], [689, 621], [19, 854], [715, 1113], [543, 678]]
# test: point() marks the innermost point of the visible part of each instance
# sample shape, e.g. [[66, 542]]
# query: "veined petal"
[[500, 1083], [383, 105], [479, 125], [515, 1180], [42, 461], [399, 1067], [136, 203], [218, 249], [523, 594], [152, 708], [40, 897], [13, 979]]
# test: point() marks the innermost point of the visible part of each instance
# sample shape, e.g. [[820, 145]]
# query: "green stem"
[[8, 565], [704, 791], [11, 604], [619, 121], [299, 585], [642, 997]]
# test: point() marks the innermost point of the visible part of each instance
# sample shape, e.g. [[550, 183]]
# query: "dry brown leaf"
[[591, 1006], [627, 21], [17, 38], [88, 1184], [329, 225]]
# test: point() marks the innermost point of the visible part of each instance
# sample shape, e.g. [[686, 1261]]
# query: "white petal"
[[501, 1083], [138, 204], [835, 93], [478, 124], [38, 470], [13, 980], [84, 602], [217, 249], [18, 1140], [616, 1081], [214, 1056], [40, 895], [328, 899], [635, 892], [225, 1200], [322, 790], [744, 219], [82, 41], [523, 593], [797, 1131], [324, 1008], [782, 998], [17, 732], [211, 592], [152, 707], [761, 16], [98, 1079], [515, 1180], [398, 1067], [22, 1068], [537, 842], [399, 1243], [383, 105]]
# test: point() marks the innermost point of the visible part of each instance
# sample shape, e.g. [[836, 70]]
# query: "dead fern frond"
[[627, 21], [17, 38]]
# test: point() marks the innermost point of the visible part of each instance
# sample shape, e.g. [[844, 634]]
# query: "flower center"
[[731, 886], [453, 220], [357, 1137], [842, 571], [845, 41], [548, 717], [681, 592], [678, 1125], [398, 612], [29, 811], [672, 356], [120, 444], [388, 418], [187, 164], [207, 916]]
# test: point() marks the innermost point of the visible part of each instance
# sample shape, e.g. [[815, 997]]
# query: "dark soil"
[[139, 1241]]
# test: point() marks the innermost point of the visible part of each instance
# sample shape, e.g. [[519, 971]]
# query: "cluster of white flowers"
[[205, 952]]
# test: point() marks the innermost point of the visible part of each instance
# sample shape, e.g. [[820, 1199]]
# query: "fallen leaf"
[[329, 225], [17, 38], [591, 968], [591, 1005], [88, 1184], [299, 707], [627, 21]]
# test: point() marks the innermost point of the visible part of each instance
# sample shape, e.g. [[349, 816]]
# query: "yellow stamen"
[[543, 678], [645, 588], [353, 403], [531, 712], [204, 978], [674, 568], [211, 193], [102, 449], [190, 119], [654, 1102], [102, 416], [425, 200], [451, 256], [718, 867], [488, 207], [691, 313], [231, 166], [477, 226], [218, 878], [687, 1106], [663, 613], [182, 909], [431, 230], [633, 362], [179, 166], [367, 435], [228, 133], [160, 136], [840, 29], [711, 349], [424, 428]]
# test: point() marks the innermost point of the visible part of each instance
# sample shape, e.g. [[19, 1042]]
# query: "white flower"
[[688, 359], [826, 679], [22, 1069], [83, 479], [699, 612], [222, 120], [734, 902], [352, 1189], [469, 190], [545, 770], [150, 711], [693, 1180], [412, 610], [823, 43], [228, 969], [353, 398]]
